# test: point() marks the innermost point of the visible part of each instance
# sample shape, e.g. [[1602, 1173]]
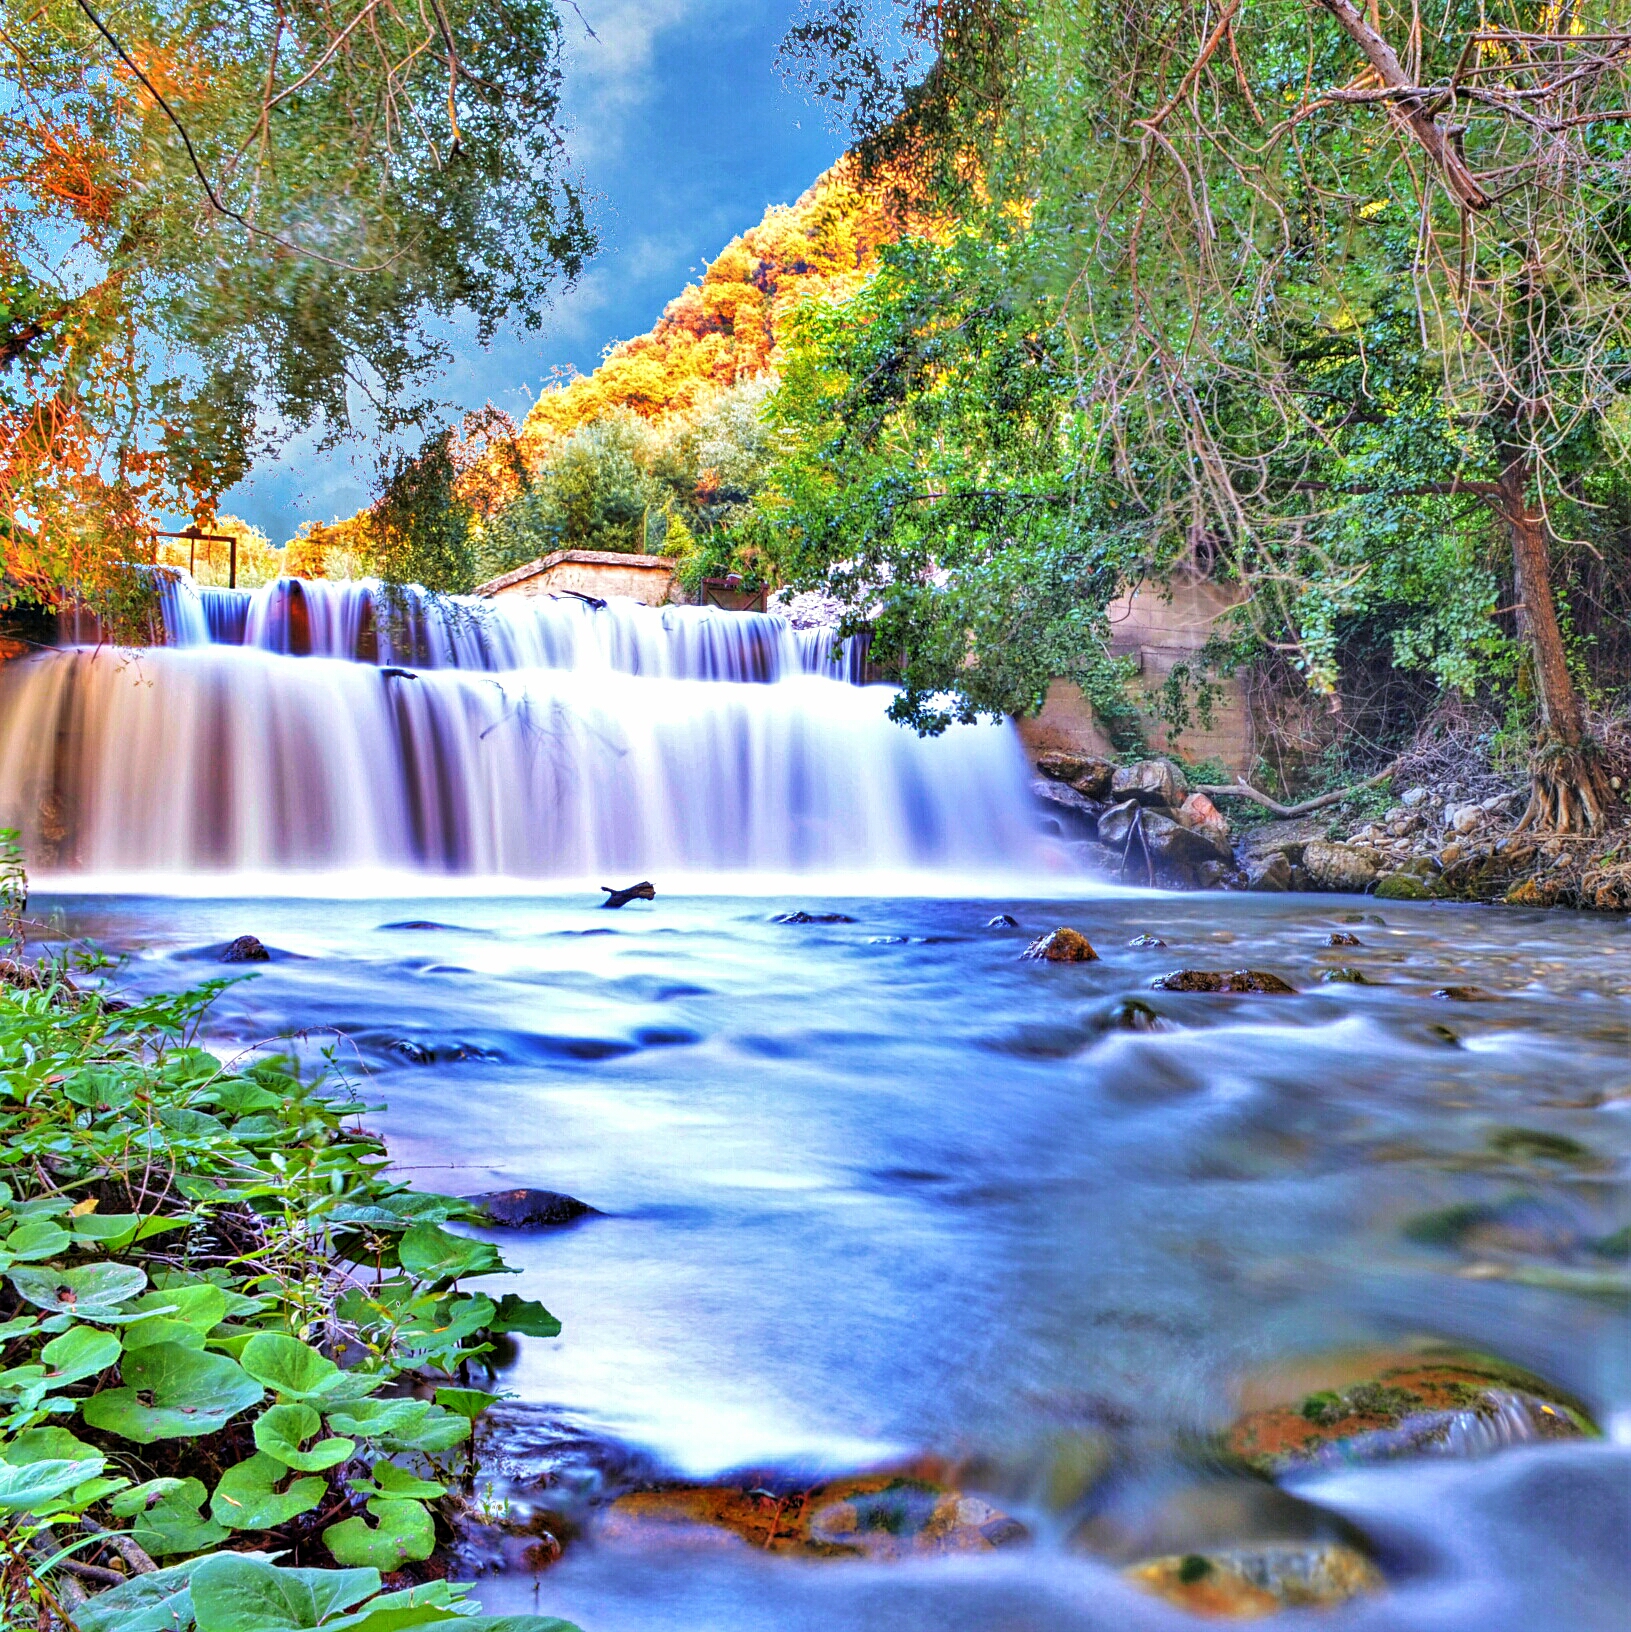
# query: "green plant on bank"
[[189, 1250]]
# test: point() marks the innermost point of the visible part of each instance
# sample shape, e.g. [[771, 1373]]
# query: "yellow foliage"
[[259, 560]]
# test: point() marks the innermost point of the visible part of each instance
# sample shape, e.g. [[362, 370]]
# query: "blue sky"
[[685, 132]]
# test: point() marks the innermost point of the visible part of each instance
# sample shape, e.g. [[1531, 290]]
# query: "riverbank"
[[1403, 838], [226, 1332]]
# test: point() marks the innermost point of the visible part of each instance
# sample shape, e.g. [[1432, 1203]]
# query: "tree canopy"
[[227, 223], [1335, 302]]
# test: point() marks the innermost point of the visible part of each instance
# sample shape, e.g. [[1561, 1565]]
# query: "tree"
[[227, 223], [1236, 201]]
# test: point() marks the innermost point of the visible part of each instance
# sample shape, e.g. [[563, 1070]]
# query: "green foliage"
[[1194, 312], [936, 477], [196, 1339]]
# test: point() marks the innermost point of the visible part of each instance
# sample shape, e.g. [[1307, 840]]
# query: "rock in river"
[[882, 1517], [1270, 874], [246, 949], [1451, 1404], [1150, 782], [520, 1208], [1245, 1583], [1337, 866], [1083, 772], [1220, 980], [1062, 945], [1173, 845], [1402, 887], [1116, 823]]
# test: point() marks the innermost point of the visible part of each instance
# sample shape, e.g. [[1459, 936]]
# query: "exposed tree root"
[[1569, 793]]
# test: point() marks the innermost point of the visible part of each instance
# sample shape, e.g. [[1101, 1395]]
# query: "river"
[[877, 1189]]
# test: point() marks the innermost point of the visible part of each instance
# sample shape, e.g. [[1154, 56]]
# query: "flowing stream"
[[874, 1189]]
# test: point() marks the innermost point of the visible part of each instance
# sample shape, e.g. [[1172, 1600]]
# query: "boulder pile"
[[1140, 822]]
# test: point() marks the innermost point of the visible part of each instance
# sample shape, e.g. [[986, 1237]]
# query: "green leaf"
[[172, 1521], [80, 1352], [296, 1371], [135, 1500], [116, 1231], [193, 1393], [404, 1532], [247, 1497], [390, 1480], [232, 1593], [401, 1425], [466, 1402], [281, 1430], [429, 1251], [42, 1444], [37, 1239], [156, 1602], [192, 1312], [26, 1489], [526, 1316], [92, 1292]]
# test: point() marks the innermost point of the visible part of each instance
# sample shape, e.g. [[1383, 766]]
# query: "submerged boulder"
[[882, 1517], [1246, 1583], [1150, 782], [1218, 980], [1062, 945], [1451, 1404]]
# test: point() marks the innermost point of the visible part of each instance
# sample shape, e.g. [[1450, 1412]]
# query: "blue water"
[[880, 1188]]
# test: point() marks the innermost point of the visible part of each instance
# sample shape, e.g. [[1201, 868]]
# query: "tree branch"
[[1409, 109], [1242, 789]]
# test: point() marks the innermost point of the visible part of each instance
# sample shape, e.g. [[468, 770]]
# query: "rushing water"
[[330, 728], [879, 1188]]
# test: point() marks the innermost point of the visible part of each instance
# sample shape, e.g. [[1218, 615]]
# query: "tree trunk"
[[1569, 792]]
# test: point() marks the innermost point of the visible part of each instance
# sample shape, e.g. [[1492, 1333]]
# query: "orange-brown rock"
[[1062, 945], [1248, 1583], [877, 1516], [1425, 1404], [1219, 980]]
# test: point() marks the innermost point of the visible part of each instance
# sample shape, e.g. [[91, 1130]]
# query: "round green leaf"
[[24, 1489], [234, 1593], [296, 1371], [526, 1316], [434, 1254], [90, 1292], [81, 1351], [404, 1531], [172, 1521], [247, 1497], [401, 1425], [37, 1239], [466, 1402], [41, 1444], [390, 1480], [281, 1430], [192, 1392]]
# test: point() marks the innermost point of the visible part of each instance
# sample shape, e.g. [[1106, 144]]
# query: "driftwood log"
[[1242, 789], [643, 891]]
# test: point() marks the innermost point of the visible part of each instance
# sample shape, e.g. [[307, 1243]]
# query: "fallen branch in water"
[[635, 892], [1242, 789]]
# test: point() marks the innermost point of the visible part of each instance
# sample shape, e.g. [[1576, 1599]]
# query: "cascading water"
[[338, 728]]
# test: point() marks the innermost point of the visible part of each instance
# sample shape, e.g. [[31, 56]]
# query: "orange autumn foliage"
[[725, 328]]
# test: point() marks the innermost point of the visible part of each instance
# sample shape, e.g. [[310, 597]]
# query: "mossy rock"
[[1062, 945], [1435, 1404], [1249, 1583], [1402, 887]]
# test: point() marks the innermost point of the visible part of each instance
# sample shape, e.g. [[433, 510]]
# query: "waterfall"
[[544, 739]]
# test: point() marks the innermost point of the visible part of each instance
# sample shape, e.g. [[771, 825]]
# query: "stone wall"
[[602, 574], [1159, 626]]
